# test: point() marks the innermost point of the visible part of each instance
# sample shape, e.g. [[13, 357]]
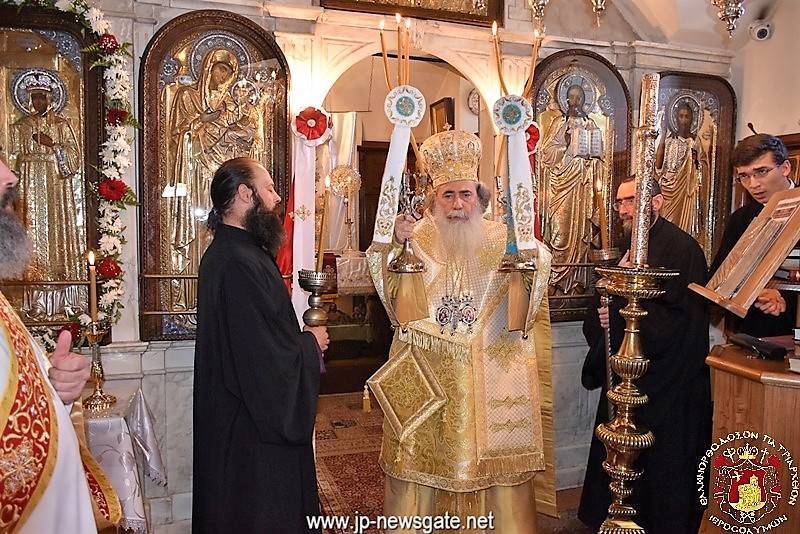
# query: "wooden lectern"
[[763, 397]]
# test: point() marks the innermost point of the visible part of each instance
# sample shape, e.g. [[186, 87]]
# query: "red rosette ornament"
[[312, 126]]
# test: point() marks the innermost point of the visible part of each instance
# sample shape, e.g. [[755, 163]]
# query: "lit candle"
[[385, 58], [323, 227], [92, 287], [399, 21], [645, 168]]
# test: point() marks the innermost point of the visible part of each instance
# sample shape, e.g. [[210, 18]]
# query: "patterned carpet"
[[348, 442]]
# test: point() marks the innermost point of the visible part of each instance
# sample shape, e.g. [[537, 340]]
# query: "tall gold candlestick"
[[385, 57], [92, 287], [645, 167], [323, 227]]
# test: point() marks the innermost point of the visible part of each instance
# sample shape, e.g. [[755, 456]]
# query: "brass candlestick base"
[[317, 283], [623, 438], [406, 262], [99, 400], [517, 261]]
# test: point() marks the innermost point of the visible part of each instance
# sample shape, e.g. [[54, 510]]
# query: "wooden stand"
[[763, 397]]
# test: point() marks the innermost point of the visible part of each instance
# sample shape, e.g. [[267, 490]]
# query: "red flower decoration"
[[109, 268], [72, 328], [311, 123], [108, 43], [116, 116], [112, 189], [532, 137]]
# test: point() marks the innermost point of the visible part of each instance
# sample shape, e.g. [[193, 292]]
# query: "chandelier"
[[729, 12], [598, 7], [537, 7]]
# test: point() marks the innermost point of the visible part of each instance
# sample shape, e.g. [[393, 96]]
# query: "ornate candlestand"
[[98, 401], [623, 438]]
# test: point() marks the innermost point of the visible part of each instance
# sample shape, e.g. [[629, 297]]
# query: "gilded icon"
[[573, 165], [42, 106]]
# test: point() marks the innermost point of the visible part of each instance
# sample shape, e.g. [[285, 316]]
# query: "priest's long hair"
[[227, 179]]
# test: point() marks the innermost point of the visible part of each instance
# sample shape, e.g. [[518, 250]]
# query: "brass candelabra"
[[99, 400], [623, 438], [316, 283]]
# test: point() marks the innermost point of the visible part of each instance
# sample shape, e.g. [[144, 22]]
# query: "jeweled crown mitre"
[[451, 155]]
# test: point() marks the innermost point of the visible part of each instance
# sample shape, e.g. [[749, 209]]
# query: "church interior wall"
[[765, 82], [320, 46]]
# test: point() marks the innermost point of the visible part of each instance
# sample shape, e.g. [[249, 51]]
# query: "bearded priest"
[[468, 404]]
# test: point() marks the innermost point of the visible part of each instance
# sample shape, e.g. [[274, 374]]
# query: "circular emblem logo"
[[512, 114], [750, 472], [405, 106]]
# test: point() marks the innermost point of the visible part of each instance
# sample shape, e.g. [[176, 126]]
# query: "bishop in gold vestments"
[[468, 404]]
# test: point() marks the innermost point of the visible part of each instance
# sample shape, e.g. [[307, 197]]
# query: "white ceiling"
[[692, 22]]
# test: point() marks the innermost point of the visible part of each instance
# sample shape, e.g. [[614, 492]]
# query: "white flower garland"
[[115, 156]]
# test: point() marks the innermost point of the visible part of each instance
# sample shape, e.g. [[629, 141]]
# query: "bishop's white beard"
[[458, 236]]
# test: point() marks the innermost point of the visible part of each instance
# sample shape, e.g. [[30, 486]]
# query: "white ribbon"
[[405, 107], [513, 115]]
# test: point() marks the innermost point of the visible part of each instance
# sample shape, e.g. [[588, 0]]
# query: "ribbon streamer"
[[405, 107]]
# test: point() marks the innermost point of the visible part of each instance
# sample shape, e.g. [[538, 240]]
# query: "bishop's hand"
[[403, 228], [69, 371]]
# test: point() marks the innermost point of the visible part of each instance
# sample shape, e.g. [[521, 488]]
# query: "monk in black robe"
[[761, 165], [256, 374], [674, 338]]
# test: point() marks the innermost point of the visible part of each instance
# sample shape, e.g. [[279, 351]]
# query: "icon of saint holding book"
[[572, 156]]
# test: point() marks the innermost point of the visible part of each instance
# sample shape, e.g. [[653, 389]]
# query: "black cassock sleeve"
[[593, 373], [274, 367]]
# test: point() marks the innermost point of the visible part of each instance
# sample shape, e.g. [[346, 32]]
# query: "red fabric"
[[285, 254], [531, 140]]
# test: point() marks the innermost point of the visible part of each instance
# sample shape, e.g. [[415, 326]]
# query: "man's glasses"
[[628, 201], [758, 174]]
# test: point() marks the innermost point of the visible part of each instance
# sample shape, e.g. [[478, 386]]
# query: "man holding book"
[[761, 165]]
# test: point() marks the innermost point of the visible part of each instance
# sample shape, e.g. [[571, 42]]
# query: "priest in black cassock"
[[761, 165], [675, 339], [256, 373]]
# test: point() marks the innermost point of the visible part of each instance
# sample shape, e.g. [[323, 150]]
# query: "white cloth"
[[65, 505], [113, 437]]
